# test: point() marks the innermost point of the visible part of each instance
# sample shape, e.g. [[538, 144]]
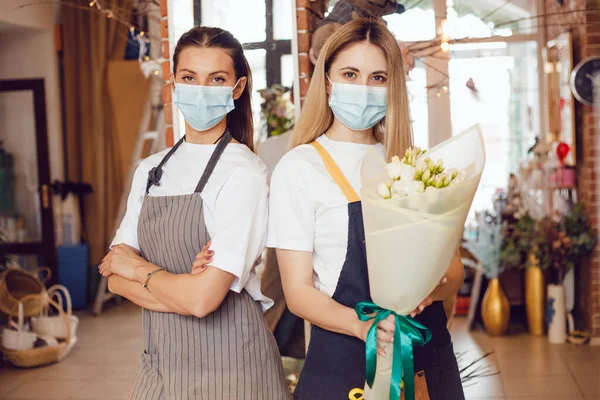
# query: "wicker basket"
[[19, 286], [37, 357], [53, 326], [18, 338]]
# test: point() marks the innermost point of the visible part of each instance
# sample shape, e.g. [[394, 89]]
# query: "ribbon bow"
[[154, 176], [406, 334]]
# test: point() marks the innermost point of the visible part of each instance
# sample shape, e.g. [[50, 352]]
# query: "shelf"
[[21, 248]]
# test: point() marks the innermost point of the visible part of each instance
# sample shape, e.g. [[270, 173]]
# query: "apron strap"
[[212, 162], [336, 173], [155, 173]]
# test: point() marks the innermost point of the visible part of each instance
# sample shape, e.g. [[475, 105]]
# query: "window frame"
[[275, 48], [439, 116]]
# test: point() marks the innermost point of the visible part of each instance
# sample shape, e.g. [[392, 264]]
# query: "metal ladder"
[[147, 143]]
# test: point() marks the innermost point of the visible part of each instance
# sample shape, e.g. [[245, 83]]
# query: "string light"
[[142, 33], [445, 89], [156, 72], [92, 3], [132, 29], [147, 58]]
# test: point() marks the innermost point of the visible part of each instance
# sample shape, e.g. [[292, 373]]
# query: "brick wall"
[[166, 73], [586, 43], [308, 15]]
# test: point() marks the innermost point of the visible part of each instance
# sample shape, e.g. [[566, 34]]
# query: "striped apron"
[[230, 354]]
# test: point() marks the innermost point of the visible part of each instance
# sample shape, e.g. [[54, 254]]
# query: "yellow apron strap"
[[336, 173]]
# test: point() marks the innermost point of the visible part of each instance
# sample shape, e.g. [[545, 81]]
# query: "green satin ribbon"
[[406, 335]]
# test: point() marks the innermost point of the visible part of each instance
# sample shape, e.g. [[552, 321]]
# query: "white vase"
[[556, 314]]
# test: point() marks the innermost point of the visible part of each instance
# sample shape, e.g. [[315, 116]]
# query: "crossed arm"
[[198, 293]]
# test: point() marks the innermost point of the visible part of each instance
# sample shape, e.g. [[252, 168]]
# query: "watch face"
[[582, 83]]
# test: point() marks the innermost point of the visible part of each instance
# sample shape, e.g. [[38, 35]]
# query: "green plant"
[[554, 245], [277, 109], [487, 246], [517, 242]]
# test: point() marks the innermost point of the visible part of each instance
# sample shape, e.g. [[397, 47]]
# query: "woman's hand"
[[122, 260], [428, 300], [203, 259], [385, 332]]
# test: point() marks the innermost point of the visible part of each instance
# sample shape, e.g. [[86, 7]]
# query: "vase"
[[534, 300], [556, 314], [495, 309]]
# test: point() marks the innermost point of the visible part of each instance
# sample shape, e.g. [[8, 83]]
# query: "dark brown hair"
[[239, 121]]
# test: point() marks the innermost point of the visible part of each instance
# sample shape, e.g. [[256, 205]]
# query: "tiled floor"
[[102, 365]]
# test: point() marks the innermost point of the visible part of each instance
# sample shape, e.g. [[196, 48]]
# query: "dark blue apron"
[[335, 363]]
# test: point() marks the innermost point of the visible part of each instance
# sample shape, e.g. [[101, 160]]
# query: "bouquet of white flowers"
[[414, 210]]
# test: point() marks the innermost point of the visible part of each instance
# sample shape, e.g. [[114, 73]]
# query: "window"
[[478, 19], [417, 97], [234, 16], [264, 28], [416, 23], [505, 105], [492, 42]]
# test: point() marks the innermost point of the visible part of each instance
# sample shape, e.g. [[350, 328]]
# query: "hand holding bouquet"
[[414, 210]]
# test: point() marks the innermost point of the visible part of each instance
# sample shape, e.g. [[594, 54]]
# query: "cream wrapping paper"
[[411, 240]]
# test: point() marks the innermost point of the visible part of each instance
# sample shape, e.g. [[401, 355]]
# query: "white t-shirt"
[[309, 212], [235, 205]]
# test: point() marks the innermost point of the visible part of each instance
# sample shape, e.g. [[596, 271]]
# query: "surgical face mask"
[[359, 107], [203, 107]]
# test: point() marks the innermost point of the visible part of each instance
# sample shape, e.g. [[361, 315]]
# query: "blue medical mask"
[[359, 107], [203, 107]]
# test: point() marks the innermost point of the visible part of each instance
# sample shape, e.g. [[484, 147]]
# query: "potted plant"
[[568, 242], [277, 109], [495, 309], [521, 249]]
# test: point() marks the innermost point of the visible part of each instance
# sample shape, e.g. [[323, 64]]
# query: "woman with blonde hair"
[[357, 100]]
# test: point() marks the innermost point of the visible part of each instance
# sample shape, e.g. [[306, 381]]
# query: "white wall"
[[29, 53], [37, 16]]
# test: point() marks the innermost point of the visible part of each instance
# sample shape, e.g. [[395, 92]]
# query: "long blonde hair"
[[394, 131]]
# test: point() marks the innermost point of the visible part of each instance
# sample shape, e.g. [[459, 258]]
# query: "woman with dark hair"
[[204, 332]]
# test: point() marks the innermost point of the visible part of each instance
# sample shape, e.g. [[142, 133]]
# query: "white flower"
[[453, 172], [401, 188], [384, 191], [417, 187], [426, 175], [407, 173], [430, 189], [394, 169], [396, 159], [421, 166]]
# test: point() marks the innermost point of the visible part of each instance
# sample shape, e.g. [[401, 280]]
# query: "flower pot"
[[556, 314], [534, 300], [495, 309]]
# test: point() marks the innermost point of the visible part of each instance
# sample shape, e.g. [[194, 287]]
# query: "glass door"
[[26, 219]]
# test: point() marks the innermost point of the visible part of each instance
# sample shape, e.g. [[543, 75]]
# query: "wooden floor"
[[102, 364]]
